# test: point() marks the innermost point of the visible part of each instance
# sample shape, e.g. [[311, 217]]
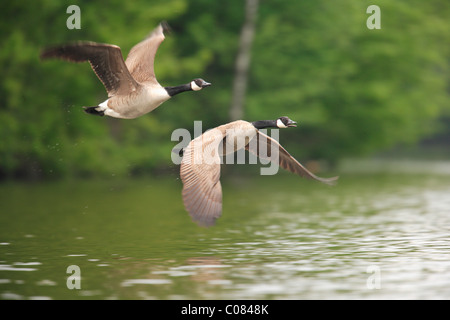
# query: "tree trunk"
[[243, 60]]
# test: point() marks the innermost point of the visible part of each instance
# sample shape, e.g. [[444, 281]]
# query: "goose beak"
[[292, 123], [205, 84]]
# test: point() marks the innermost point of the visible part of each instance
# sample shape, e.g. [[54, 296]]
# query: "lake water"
[[373, 236]]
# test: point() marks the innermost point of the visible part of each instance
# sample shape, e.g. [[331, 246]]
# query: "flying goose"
[[200, 166], [131, 85]]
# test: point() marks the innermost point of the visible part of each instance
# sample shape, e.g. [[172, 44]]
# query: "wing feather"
[[106, 60], [284, 159], [200, 174], [140, 60]]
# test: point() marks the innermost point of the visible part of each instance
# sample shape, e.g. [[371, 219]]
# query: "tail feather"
[[94, 111]]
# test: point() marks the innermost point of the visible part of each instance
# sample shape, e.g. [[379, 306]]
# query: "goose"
[[200, 165], [131, 85]]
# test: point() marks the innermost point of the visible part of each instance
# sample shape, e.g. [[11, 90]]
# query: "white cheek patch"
[[280, 124], [195, 87]]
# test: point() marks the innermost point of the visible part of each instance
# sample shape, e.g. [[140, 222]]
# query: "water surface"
[[373, 236]]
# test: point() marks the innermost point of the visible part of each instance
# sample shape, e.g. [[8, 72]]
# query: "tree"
[[43, 128], [353, 90], [243, 60]]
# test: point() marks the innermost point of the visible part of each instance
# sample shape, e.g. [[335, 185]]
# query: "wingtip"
[[49, 52], [165, 27], [331, 181], [43, 55], [59, 51], [204, 223]]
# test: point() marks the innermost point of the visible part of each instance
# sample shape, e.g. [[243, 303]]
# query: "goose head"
[[198, 84], [285, 122]]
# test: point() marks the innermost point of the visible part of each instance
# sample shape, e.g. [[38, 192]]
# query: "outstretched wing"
[[106, 60], [285, 160], [200, 174], [140, 60]]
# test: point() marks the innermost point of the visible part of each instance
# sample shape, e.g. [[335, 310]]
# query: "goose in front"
[[200, 165], [131, 85]]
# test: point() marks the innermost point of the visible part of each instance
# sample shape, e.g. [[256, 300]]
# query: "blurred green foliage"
[[352, 90]]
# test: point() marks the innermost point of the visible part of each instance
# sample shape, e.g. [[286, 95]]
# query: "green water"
[[280, 237]]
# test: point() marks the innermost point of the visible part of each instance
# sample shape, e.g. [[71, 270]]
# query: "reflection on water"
[[18, 266], [370, 237]]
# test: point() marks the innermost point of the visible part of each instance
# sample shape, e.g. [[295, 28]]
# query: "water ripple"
[[8, 267]]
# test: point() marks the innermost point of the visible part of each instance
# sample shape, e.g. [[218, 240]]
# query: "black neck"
[[265, 124], [178, 89]]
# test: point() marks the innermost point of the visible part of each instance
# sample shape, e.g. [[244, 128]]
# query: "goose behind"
[[132, 87]]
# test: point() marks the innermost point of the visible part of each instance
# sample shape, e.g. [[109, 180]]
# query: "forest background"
[[354, 91]]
